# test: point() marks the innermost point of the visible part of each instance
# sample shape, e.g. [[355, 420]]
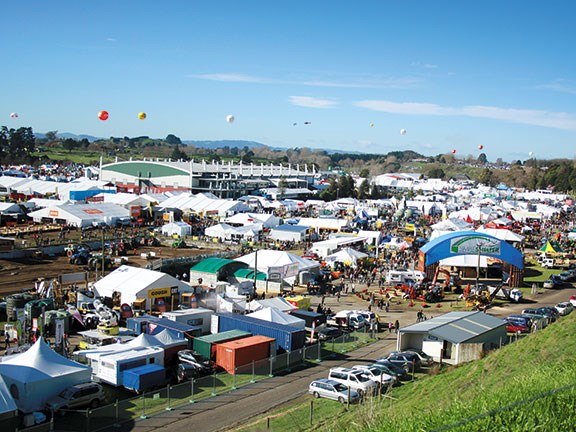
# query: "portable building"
[[206, 345], [113, 365], [309, 317], [287, 337], [198, 317], [235, 356]]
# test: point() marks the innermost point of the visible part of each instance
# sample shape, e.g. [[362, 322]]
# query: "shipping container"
[[309, 317], [206, 345], [287, 337], [192, 317], [242, 352], [144, 378]]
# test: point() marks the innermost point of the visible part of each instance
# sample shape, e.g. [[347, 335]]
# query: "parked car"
[[376, 374], [189, 371], [328, 333], [551, 311], [425, 359], [393, 370], [77, 396], [536, 313], [402, 374], [191, 357], [331, 389], [520, 321], [564, 308], [407, 361], [566, 276], [354, 379], [517, 326]]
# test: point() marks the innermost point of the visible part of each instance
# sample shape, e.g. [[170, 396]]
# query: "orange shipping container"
[[242, 352]]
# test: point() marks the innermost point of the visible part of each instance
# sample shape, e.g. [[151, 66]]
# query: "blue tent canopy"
[[470, 243]]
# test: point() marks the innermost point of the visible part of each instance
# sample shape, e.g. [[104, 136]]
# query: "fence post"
[[271, 374], [253, 380], [192, 391], [319, 345], [168, 408], [288, 361], [143, 415], [214, 384], [117, 424], [311, 412]]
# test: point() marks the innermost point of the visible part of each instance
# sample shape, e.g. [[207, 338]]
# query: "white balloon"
[[402, 131], [14, 115], [230, 118], [530, 154]]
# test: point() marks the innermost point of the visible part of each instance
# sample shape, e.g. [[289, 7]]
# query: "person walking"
[[390, 326], [397, 326]]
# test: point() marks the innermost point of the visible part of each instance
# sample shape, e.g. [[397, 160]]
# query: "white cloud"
[[560, 85], [354, 82], [110, 39], [312, 102], [556, 120]]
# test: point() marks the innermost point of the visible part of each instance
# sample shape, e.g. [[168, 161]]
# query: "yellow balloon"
[[141, 115], [371, 124]]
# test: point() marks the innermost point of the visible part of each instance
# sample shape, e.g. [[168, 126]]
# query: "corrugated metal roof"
[[456, 327], [247, 273], [211, 265]]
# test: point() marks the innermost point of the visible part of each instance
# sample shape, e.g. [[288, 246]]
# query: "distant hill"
[[223, 143], [66, 135]]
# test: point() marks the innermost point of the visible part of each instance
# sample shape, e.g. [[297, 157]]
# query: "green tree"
[[282, 186], [486, 177], [69, 144], [482, 159], [437, 173], [365, 173], [51, 135], [178, 154], [173, 139], [364, 190]]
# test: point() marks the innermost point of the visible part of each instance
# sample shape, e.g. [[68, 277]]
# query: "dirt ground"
[[18, 275]]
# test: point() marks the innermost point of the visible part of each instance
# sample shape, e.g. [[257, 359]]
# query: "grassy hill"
[[527, 385]]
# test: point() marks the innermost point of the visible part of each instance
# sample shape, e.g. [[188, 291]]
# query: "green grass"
[[537, 274], [511, 389]]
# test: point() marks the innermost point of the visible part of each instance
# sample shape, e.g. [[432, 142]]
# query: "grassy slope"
[[534, 365]]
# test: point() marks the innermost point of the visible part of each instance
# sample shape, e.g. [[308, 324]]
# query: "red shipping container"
[[242, 352]]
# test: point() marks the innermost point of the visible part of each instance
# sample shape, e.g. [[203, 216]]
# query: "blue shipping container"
[[287, 337]]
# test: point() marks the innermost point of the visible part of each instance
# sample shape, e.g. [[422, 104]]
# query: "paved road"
[[226, 411]]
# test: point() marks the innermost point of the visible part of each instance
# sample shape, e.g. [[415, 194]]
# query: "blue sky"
[[453, 74]]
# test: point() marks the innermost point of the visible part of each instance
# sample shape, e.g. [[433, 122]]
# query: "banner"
[[59, 330], [473, 245], [291, 270], [158, 292]]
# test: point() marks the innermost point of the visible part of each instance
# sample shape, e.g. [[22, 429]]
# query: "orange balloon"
[[103, 115]]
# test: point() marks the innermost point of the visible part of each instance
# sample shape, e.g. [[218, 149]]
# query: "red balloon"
[[480, 147], [454, 151], [103, 115]]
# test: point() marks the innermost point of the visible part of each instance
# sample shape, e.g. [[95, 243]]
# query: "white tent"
[[274, 315], [168, 338], [38, 374], [501, 234], [346, 255], [464, 261], [271, 259], [279, 303], [8, 407], [180, 228], [138, 283]]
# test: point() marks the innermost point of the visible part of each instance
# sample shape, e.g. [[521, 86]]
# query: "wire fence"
[[151, 403]]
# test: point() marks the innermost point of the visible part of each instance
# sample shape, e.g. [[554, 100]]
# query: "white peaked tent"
[[502, 234], [274, 315], [279, 303], [143, 340], [274, 258], [180, 228], [38, 374], [346, 255], [8, 407], [168, 338]]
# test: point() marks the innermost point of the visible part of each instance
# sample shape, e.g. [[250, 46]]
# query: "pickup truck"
[[348, 320]]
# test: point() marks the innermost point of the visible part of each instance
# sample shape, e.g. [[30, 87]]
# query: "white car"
[[377, 375], [564, 308], [355, 379], [331, 389]]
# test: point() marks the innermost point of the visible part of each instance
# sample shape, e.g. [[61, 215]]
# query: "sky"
[[454, 75]]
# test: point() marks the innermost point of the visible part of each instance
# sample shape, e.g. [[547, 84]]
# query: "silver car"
[[334, 390], [77, 396]]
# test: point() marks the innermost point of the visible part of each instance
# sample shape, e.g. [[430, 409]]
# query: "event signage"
[[159, 292], [475, 244]]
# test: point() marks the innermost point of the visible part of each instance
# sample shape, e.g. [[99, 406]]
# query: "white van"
[[355, 379]]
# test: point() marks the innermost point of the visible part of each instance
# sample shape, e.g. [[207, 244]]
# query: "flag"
[[313, 330]]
